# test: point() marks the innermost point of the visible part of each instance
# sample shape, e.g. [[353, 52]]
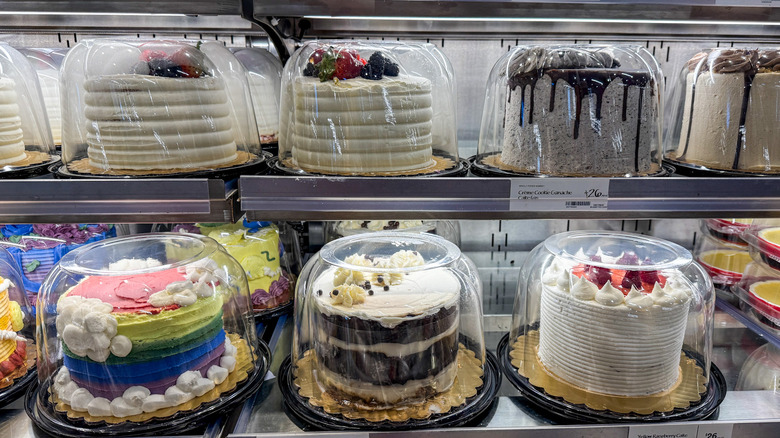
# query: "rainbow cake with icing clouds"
[[13, 348], [139, 343]]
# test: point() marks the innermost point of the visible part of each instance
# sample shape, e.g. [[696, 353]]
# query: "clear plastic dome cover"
[[259, 247], [25, 138], [573, 110], [389, 323], [761, 370], [157, 107], [368, 108], [727, 230], [724, 262], [264, 73], [17, 326], [46, 63], [760, 286], [619, 322], [449, 230], [725, 111], [143, 328], [38, 247]]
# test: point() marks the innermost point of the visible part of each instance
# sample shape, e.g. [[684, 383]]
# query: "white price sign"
[[556, 194], [715, 430], [681, 430]]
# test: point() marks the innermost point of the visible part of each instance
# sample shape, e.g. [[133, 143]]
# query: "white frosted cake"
[[143, 122], [11, 135], [266, 105], [730, 119], [578, 112], [387, 338], [362, 125], [612, 332]]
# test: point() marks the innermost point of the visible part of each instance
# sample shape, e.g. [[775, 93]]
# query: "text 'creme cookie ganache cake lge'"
[[615, 322], [584, 110], [145, 338], [367, 108], [727, 115], [384, 327], [25, 138], [148, 108]]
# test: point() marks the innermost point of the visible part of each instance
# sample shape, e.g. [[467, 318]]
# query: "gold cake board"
[[244, 364], [83, 166], [467, 380], [29, 363], [690, 385], [439, 164], [31, 158]]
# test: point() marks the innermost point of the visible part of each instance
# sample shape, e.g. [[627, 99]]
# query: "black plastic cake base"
[[694, 170], [563, 412], [265, 315], [20, 385], [461, 168], [43, 415], [479, 168], [259, 166], [30, 171], [471, 413]]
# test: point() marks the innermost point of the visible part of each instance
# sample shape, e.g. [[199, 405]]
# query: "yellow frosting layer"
[[168, 324], [5, 313], [17, 318], [7, 348]]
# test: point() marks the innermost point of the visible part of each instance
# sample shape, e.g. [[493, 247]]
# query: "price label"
[[559, 194], [680, 430], [715, 430]]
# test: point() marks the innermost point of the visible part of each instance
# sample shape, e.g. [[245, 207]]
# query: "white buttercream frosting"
[[608, 295], [133, 264], [11, 134], [89, 329], [583, 290]]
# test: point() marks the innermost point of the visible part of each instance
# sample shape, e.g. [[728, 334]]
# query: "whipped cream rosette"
[[144, 335], [614, 327]]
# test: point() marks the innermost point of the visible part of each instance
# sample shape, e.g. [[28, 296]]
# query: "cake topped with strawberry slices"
[[613, 331], [356, 115], [164, 109]]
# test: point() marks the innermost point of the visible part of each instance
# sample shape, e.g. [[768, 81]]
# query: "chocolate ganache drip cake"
[[730, 119], [386, 338], [577, 112]]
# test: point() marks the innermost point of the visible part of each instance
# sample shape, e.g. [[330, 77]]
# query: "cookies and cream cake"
[[616, 332], [729, 117], [11, 134], [386, 338], [142, 342], [578, 112]]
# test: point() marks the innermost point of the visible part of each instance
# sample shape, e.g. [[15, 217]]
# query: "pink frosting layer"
[[128, 293]]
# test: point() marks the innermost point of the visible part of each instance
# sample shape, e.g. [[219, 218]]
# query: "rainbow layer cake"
[[139, 343]]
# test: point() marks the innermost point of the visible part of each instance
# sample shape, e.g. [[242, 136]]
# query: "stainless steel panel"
[[208, 7]]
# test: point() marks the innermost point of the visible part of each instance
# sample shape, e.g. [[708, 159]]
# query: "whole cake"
[[265, 102], [171, 113], [256, 246], [352, 115], [729, 118], [614, 332], [138, 343], [577, 112], [386, 338], [11, 135], [13, 348]]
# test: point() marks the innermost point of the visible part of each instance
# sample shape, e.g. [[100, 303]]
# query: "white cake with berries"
[[611, 331], [348, 118], [167, 115]]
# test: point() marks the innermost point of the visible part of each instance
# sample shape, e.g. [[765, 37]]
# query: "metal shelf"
[[189, 7], [116, 201], [337, 198]]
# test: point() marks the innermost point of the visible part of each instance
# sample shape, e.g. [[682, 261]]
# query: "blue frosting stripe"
[[140, 372]]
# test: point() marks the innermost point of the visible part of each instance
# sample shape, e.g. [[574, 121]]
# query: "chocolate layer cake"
[[387, 338]]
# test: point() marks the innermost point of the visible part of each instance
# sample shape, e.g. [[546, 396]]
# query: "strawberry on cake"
[[612, 331]]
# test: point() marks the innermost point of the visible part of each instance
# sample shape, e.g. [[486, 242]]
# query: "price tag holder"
[[715, 430], [677, 430], [559, 194]]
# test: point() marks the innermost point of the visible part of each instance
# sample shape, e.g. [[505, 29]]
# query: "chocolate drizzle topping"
[[731, 61]]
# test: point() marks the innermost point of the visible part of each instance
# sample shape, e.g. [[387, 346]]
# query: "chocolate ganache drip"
[[585, 71], [747, 62]]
